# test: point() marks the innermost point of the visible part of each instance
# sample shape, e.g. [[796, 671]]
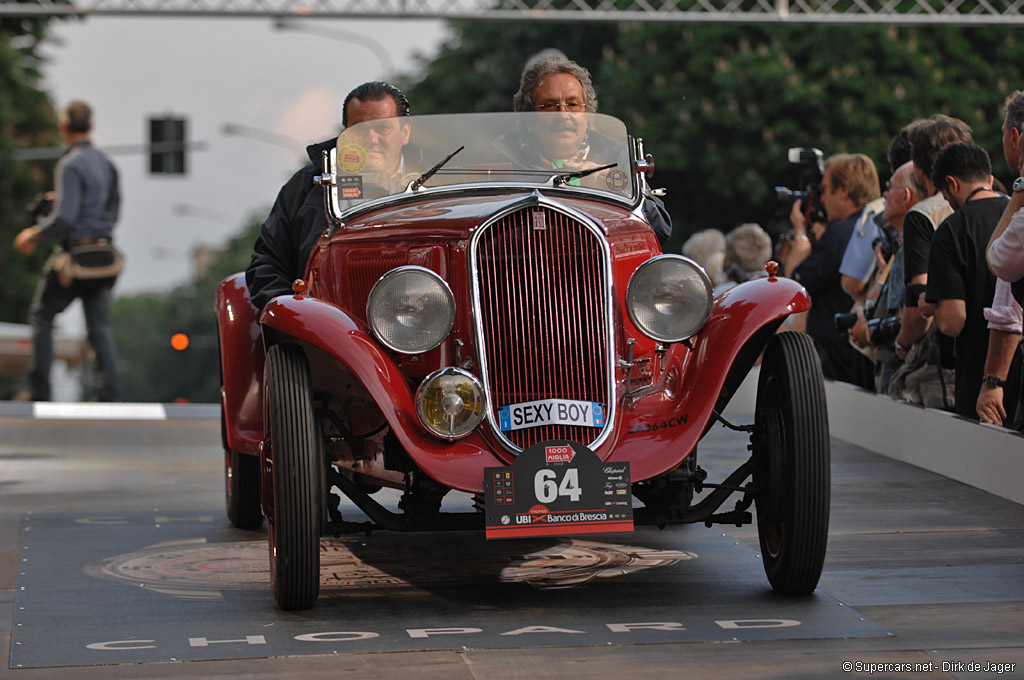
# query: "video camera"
[[813, 162]]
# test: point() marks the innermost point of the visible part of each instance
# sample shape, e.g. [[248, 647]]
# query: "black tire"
[[242, 489], [792, 464], [293, 529]]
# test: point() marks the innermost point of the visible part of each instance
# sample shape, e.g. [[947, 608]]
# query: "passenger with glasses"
[[563, 138]]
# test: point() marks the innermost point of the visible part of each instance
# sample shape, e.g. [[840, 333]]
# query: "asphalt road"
[[924, 578]]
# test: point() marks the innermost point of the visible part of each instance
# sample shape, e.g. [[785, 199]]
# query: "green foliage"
[[151, 370], [719, 105], [479, 68], [27, 119]]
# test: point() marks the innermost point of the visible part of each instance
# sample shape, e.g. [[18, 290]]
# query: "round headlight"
[[450, 403], [669, 298], [411, 310]]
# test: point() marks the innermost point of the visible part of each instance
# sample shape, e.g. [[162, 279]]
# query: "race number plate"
[[557, 488]]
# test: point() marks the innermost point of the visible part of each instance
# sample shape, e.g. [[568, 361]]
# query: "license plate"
[[550, 412]]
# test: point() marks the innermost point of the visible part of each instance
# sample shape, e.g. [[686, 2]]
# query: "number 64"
[[546, 490]]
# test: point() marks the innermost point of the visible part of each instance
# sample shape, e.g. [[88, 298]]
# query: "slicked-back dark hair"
[[374, 91]]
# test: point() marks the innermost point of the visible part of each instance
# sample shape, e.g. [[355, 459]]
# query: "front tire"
[[294, 440], [792, 464]]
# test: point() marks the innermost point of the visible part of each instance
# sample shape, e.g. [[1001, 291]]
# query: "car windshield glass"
[[569, 151]]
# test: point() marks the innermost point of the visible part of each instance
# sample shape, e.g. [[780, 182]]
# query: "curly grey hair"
[[1014, 107], [537, 71]]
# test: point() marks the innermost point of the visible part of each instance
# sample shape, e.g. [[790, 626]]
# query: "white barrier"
[[984, 456]]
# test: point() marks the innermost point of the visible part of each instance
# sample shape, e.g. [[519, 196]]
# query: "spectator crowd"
[[916, 290]]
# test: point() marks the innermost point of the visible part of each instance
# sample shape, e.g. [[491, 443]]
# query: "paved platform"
[[120, 586], [106, 529]]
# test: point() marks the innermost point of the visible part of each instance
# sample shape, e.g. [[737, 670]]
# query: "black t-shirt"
[[918, 232], [819, 274], [957, 271]]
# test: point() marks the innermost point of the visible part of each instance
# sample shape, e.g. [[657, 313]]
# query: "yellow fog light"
[[450, 403]]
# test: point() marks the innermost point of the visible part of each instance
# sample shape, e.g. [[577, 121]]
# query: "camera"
[[845, 321], [889, 241], [813, 164], [880, 331], [40, 206], [884, 331]]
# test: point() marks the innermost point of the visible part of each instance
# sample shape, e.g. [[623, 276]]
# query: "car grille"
[[543, 317]]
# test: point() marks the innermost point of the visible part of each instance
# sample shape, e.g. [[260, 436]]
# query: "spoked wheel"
[[242, 488], [792, 464], [293, 528]]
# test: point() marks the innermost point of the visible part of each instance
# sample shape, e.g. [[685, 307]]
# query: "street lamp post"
[[276, 138], [345, 36], [202, 212]]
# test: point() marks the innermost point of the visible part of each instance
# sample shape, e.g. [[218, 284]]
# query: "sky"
[[283, 85]]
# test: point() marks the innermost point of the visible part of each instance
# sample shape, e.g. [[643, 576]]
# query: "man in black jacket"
[[298, 219]]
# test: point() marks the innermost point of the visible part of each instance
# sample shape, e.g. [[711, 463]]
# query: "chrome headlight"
[[450, 402], [411, 310], [669, 298]]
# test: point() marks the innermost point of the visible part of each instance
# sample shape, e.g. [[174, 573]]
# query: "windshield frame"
[[626, 191]]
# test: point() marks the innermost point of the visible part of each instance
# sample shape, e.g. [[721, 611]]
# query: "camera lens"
[[884, 331], [845, 321]]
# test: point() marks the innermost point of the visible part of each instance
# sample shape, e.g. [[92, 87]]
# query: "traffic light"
[[167, 145], [179, 341]]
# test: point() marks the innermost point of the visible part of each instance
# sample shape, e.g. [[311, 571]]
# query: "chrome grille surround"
[[557, 279]]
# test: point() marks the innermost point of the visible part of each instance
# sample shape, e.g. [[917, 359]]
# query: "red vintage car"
[[510, 329]]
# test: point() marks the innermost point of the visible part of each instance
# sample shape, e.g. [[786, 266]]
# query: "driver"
[[373, 151], [565, 140], [297, 219]]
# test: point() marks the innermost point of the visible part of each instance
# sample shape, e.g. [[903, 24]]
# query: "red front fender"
[[456, 464], [665, 421], [241, 364]]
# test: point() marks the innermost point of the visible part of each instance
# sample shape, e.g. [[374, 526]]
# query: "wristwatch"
[[991, 381], [1018, 184]]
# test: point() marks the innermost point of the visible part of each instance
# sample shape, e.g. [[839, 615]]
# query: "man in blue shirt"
[[86, 207], [850, 182]]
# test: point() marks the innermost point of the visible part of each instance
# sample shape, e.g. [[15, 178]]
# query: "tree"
[[27, 119], [718, 105], [150, 368]]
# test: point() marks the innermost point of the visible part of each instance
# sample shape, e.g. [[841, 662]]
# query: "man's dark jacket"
[[290, 232]]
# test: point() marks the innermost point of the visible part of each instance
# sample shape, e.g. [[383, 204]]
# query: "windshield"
[[394, 157]]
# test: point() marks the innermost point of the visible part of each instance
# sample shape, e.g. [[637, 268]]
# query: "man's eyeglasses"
[[572, 106]]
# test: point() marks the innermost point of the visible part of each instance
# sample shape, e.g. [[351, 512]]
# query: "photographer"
[[877, 326], [86, 207], [926, 376], [849, 183]]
